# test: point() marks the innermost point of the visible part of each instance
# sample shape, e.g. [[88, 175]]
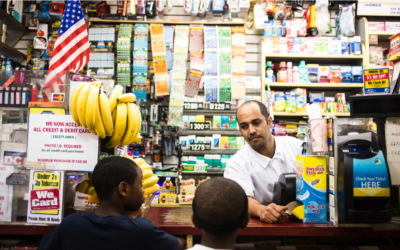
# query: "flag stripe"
[[71, 50]]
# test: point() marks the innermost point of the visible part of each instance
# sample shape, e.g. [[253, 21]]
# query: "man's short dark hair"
[[220, 202], [263, 109], [110, 172]]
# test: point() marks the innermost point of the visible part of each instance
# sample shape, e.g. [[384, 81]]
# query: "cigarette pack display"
[[185, 121], [232, 122], [184, 142], [239, 142], [224, 160], [200, 139], [216, 141], [224, 142], [200, 118], [224, 121], [208, 159], [192, 160], [216, 121], [216, 162], [191, 139]]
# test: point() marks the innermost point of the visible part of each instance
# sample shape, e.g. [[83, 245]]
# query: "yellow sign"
[[376, 81]]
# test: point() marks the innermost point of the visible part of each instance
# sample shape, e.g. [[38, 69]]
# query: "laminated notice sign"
[[376, 81], [45, 197], [60, 143]]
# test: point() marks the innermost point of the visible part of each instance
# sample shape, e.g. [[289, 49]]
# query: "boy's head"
[[119, 179], [220, 206]]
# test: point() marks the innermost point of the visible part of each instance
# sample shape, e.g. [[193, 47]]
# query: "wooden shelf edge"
[[318, 85], [384, 33], [11, 19], [316, 56], [164, 22], [13, 51]]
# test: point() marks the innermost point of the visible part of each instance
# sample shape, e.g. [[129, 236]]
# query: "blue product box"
[[347, 76], [357, 72], [268, 28]]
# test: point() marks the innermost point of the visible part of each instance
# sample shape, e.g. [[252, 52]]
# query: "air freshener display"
[[140, 63]]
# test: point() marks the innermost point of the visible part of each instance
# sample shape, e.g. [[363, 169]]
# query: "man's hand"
[[272, 213]]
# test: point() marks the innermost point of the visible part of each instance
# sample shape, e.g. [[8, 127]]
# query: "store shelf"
[[14, 108], [319, 56], [15, 29], [248, 91], [208, 112], [384, 33], [226, 132], [305, 114], [212, 151], [10, 52], [317, 85], [203, 173], [95, 20]]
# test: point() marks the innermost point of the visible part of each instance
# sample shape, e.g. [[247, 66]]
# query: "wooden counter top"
[[177, 221]]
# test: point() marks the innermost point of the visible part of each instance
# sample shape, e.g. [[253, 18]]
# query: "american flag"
[[71, 50]]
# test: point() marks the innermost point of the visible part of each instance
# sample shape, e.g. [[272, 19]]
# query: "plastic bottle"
[[282, 72], [295, 74], [303, 72], [289, 74], [269, 72]]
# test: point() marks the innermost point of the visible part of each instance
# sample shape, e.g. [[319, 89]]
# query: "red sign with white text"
[[45, 199]]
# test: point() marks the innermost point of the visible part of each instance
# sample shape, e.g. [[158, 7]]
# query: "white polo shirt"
[[257, 173]]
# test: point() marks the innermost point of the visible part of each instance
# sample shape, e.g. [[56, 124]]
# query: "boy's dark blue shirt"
[[89, 231]]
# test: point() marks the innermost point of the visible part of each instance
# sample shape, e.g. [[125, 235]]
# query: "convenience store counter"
[[177, 221]]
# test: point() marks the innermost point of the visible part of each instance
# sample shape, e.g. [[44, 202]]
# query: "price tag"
[[200, 146], [219, 106], [193, 105], [199, 126], [200, 168]]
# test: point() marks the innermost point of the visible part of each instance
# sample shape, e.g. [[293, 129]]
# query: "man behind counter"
[[257, 166]]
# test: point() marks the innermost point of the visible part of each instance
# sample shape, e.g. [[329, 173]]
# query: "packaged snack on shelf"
[[323, 74], [335, 74], [290, 105], [317, 96], [357, 72], [392, 26], [376, 26], [279, 102], [346, 74], [301, 99], [313, 73]]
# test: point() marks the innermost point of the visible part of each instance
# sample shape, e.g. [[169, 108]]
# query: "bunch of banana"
[[149, 179], [117, 116], [86, 187]]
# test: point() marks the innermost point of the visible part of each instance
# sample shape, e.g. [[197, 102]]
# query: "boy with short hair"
[[220, 209], [118, 184]]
